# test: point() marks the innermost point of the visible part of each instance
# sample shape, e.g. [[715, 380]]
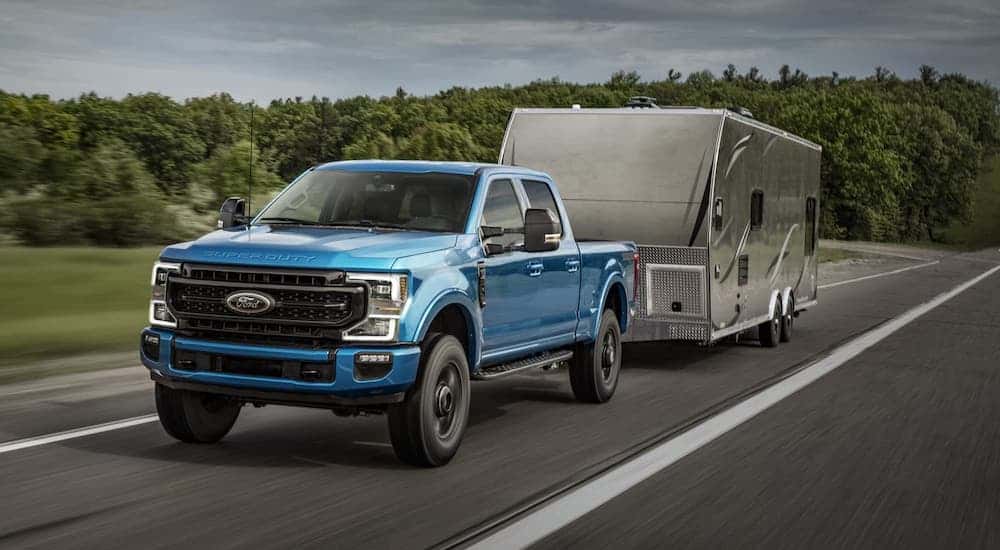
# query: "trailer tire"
[[195, 417], [788, 320], [594, 369], [769, 332], [427, 427]]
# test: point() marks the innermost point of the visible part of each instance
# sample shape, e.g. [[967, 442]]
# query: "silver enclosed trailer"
[[725, 210]]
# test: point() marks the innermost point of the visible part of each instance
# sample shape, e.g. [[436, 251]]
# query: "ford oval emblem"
[[249, 303]]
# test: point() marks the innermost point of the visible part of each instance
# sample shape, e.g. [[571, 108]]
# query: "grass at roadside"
[[68, 301], [839, 254]]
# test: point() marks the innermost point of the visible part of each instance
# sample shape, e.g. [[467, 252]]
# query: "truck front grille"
[[306, 305]]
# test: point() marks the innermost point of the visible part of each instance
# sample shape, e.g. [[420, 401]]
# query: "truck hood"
[[308, 247]]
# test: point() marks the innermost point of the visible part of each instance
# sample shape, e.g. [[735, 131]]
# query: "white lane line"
[[73, 434], [877, 275], [575, 504]]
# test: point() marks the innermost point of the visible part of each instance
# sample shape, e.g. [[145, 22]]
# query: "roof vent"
[[642, 102], [576, 107]]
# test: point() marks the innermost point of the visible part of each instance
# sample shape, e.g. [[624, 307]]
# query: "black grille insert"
[[306, 305], [306, 371]]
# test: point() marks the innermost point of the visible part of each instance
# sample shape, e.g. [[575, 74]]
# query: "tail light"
[[635, 276]]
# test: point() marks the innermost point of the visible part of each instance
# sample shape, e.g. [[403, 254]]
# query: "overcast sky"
[[263, 49]]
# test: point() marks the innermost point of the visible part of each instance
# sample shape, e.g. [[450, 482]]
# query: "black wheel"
[[788, 319], [768, 332], [594, 369], [195, 417], [427, 428]]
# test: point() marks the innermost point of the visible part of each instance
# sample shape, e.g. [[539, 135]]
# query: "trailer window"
[[502, 209], [810, 226], [757, 209], [540, 196]]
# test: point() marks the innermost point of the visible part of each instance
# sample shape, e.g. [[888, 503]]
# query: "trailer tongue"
[[724, 208]]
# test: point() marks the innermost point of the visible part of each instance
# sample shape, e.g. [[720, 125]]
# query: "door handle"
[[534, 268], [572, 265]]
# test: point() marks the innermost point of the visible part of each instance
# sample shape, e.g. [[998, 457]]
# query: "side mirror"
[[232, 213], [492, 249], [542, 230], [490, 231]]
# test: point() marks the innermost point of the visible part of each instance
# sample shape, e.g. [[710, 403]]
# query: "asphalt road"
[[899, 447]]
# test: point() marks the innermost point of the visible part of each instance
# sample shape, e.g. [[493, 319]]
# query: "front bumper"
[[344, 390]]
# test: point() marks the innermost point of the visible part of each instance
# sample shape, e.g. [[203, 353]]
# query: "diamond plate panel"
[[690, 331], [669, 286], [669, 275], [675, 255]]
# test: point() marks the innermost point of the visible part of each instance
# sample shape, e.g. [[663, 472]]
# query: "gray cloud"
[[265, 49]]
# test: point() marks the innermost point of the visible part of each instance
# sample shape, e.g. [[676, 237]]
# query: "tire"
[[427, 427], [594, 369], [769, 331], [194, 417], [788, 320]]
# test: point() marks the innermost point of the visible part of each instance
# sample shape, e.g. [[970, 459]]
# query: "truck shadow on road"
[[278, 437]]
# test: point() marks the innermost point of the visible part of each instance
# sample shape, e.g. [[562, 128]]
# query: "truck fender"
[[615, 277], [473, 319]]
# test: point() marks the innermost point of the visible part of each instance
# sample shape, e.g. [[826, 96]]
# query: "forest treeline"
[[900, 156]]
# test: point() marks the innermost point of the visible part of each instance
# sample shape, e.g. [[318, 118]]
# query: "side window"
[[539, 195], [757, 209], [810, 226], [502, 210], [717, 214]]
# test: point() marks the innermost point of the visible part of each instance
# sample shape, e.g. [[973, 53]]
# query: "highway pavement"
[[897, 447]]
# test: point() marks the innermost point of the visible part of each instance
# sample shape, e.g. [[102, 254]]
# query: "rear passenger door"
[[558, 287]]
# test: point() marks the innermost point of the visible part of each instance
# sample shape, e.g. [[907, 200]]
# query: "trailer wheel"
[[427, 427], [788, 319], [594, 369], [769, 331], [195, 417]]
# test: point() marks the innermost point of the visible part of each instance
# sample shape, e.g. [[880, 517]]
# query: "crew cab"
[[384, 287]]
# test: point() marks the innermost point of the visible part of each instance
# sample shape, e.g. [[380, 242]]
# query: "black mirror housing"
[[233, 213], [492, 249], [490, 231], [542, 230]]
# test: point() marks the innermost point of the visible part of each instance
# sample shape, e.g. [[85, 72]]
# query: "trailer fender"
[[786, 299], [776, 298]]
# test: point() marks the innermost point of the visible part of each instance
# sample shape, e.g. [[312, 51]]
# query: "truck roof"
[[464, 168]]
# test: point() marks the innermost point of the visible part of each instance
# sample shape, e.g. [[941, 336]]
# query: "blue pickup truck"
[[384, 287]]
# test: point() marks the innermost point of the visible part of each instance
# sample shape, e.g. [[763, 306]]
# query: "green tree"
[[227, 173], [163, 135], [219, 120]]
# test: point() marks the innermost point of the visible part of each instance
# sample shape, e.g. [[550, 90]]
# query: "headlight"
[[159, 314], [387, 294]]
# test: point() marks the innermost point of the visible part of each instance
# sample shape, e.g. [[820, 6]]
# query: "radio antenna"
[[250, 180]]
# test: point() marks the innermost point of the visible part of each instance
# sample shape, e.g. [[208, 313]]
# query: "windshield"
[[393, 200]]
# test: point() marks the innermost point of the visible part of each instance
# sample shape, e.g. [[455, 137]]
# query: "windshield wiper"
[[288, 221], [371, 224]]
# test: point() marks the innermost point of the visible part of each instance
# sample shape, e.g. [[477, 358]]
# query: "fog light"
[[369, 365], [151, 346]]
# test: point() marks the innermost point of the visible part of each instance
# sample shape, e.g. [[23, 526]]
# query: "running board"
[[545, 359]]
